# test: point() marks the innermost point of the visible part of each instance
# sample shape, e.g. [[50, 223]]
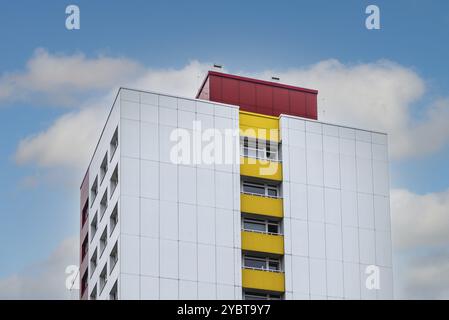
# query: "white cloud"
[[60, 78], [67, 142], [377, 96], [422, 276], [420, 232], [45, 279], [71, 139], [419, 220], [183, 82]]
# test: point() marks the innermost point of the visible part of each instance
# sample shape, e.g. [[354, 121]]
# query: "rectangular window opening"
[[93, 262], [113, 294], [113, 220], [94, 191], [103, 240], [104, 204], [94, 226], [103, 278], [104, 167], [113, 257], [114, 143], [114, 180]]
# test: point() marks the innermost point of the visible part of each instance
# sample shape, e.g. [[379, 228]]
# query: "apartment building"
[[288, 207]]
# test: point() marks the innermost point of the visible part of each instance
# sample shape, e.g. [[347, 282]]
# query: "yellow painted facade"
[[262, 242], [259, 126], [263, 280], [262, 169], [272, 207]]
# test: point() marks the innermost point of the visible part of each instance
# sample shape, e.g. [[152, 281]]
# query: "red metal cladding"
[[270, 98]]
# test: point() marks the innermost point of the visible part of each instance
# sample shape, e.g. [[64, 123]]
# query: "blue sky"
[[245, 36]]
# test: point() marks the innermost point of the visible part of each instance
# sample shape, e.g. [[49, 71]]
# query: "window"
[[94, 191], [85, 213], [103, 240], [94, 226], [254, 225], [103, 278], [260, 149], [273, 227], [84, 247], [262, 263], [113, 294], [262, 189], [113, 220], [84, 283], [254, 188], [249, 295], [114, 143], [93, 294], [93, 262], [113, 257], [272, 191], [104, 167], [114, 180], [260, 225], [104, 203]]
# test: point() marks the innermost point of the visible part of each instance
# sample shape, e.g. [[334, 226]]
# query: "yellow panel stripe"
[[262, 242]]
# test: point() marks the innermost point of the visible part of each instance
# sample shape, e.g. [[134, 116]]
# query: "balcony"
[[260, 168], [262, 242], [263, 280], [269, 206]]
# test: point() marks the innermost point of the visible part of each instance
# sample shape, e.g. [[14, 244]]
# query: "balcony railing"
[[261, 168], [261, 195], [262, 204], [262, 269], [263, 280], [262, 232], [263, 242]]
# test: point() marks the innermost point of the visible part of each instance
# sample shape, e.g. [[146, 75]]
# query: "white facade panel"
[[149, 256], [337, 220]]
